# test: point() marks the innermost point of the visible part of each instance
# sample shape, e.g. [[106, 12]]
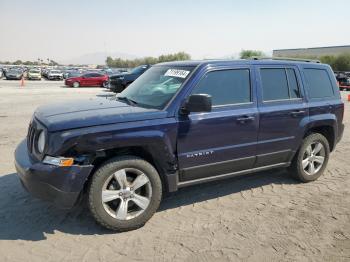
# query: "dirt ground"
[[262, 217]]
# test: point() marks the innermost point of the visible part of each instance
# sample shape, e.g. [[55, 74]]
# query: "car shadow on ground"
[[23, 217]]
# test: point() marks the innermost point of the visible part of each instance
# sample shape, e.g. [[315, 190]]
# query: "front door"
[[222, 141]]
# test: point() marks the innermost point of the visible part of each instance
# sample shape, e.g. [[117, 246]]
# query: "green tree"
[[127, 63], [244, 54], [18, 62]]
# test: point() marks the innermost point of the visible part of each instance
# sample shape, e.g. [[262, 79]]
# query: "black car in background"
[[119, 82]]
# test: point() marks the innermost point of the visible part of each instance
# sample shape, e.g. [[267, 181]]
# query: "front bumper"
[[59, 185], [55, 77], [34, 77], [13, 77]]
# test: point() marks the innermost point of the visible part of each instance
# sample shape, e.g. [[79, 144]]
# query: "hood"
[[119, 75], [92, 112]]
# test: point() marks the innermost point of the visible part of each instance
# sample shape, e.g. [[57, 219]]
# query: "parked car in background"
[[120, 81], [1, 73], [55, 75], [14, 74], [343, 80], [34, 74], [71, 73], [89, 79]]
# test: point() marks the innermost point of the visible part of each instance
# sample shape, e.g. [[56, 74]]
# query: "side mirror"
[[197, 103]]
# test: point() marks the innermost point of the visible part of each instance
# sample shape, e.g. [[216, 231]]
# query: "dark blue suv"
[[180, 124]]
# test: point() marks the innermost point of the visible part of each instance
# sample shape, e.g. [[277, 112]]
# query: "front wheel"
[[124, 193], [76, 84], [105, 84], [311, 159]]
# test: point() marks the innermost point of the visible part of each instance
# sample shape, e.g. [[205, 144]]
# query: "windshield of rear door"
[[157, 86]]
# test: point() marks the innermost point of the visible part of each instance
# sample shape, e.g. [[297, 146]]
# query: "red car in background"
[[88, 79]]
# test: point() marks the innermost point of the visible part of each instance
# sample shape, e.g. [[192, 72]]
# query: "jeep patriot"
[[180, 124]]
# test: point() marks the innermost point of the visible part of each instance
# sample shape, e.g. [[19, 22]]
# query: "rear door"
[[224, 140], [282, 109]]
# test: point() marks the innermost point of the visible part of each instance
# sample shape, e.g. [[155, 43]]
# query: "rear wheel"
[[124, 193], [105, 84], [76, 84], [311, 159]]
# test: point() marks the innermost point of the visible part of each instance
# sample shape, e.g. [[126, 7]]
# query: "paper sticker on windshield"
[[177, 73]]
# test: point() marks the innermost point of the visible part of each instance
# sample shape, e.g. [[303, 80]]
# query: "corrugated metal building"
[[314, 51]]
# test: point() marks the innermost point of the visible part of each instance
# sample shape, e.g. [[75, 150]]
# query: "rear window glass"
[[318, 83]]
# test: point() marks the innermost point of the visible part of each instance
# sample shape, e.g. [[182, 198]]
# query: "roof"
[[238, 62], [311, 48]]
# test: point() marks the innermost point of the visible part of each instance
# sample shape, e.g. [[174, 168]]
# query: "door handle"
[[297, 113], [244, 119]]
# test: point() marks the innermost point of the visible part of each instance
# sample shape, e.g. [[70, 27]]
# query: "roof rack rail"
[[285, 58]]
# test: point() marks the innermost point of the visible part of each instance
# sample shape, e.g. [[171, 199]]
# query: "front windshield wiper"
[[126, 99]]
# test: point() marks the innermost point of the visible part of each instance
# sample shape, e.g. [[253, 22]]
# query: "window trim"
[[229, 69], [288, 85]]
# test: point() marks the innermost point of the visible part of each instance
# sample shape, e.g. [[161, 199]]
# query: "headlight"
[[58, 161], [41, 142], [121, 78]]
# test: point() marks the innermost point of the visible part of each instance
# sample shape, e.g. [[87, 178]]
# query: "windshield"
[[156, 87], [34, 71], [138, 69], [55, 72]]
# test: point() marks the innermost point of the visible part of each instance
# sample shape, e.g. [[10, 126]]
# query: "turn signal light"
[[67, 162]]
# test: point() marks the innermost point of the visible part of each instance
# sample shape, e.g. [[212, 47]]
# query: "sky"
[[62, 30]]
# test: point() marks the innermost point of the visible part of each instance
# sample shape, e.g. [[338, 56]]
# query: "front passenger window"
[[226, 87]]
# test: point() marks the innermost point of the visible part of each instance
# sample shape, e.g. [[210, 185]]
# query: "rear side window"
[[275, 85], [226, 86], [319, 84], [279, 84]]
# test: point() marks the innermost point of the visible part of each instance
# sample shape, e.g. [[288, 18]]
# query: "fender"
[[157, 136], [323, 120]]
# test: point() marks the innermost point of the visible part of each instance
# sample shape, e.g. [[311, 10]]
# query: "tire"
[[76, 84], [106, 209], [308, 158], [105, 84]]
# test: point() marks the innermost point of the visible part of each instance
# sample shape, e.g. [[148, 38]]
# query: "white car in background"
[[34, 74], [55, 75]]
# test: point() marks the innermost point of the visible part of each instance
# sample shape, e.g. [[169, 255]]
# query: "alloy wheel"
[[313, 158], [126, 194]]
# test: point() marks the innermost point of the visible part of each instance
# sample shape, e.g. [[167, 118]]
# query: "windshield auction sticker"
[[177, 73]]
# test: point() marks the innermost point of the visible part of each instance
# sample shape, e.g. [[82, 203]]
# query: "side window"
[[319, 84], [226, 86], [279, 84], [274, 84]]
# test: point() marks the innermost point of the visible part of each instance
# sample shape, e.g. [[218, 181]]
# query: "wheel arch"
[[160, 159], [325, 128]]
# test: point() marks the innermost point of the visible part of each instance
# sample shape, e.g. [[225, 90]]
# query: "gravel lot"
[[262, 217]]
